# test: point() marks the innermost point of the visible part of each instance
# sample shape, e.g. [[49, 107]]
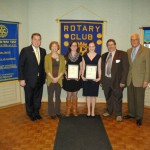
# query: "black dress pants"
[[33, 98]]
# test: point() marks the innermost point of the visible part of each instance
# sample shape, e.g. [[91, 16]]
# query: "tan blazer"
[[139, 69]]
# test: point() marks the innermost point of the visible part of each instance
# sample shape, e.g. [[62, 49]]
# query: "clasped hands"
[[55, 80]]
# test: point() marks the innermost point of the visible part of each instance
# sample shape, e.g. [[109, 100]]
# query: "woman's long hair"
[[69, 49]]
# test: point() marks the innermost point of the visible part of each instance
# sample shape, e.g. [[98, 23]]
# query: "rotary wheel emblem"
[[3, 31]]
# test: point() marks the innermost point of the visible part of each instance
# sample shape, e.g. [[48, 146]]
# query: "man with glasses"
[[138, 78], [114, 75]]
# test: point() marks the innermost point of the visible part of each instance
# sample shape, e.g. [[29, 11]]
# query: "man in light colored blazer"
[[138, 78]]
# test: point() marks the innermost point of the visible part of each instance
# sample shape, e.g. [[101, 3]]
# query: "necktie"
[[109, 64], [133, 54], [37, 55]]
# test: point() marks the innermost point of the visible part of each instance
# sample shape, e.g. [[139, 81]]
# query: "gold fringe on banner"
[[83, 7]]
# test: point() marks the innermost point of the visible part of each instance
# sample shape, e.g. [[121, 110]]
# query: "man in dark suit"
[[32, 75], [138, 78], [114, 67]]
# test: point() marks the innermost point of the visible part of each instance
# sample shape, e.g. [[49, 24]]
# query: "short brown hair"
[[111, 40], [53, 42], [35, 34]]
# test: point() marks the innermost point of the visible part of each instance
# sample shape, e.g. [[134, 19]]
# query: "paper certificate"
[[91, 72], [73, 71]]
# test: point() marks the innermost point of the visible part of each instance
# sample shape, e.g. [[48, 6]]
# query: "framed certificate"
[[73, 71], [91, 72]]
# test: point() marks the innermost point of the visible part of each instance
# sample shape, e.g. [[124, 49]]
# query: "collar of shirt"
[[38, 51], [113, 53], [35, 48], [136, 49]]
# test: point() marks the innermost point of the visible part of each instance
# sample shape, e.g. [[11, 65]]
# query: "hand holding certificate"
[[73, 71], [91, 72]]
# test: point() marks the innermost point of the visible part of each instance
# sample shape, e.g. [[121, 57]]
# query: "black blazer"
[[119, 69], [28, 67]]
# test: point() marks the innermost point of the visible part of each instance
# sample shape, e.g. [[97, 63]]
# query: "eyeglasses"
[[74, 45], [134, 39]]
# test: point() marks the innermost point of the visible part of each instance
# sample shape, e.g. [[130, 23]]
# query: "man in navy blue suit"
[[32, 75]]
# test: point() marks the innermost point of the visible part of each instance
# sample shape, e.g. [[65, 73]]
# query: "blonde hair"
[[136, 35]]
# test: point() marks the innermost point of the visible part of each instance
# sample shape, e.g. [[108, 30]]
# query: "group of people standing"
[[115, 70]]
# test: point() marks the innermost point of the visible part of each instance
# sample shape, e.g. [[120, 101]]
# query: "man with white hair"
[[138, 78]]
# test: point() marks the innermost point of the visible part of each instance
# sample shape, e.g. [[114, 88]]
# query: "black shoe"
[[32, 117], [59, 115], [38, 117], [93, 116], [139, 122], [53, 117], [88, 116], [127, 117]]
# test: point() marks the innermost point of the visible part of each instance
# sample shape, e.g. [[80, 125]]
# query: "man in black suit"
[[32, 75], [114, 67]]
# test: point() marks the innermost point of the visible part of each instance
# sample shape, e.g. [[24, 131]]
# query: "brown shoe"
[[74, 107]]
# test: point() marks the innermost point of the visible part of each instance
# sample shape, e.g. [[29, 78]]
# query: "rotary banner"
[[82, 31], [8, 51], [146, 36]]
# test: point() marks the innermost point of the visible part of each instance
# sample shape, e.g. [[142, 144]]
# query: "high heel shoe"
[[92, 116], [88, 116]]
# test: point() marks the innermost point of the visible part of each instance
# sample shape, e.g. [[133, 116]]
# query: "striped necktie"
[[109, 64]]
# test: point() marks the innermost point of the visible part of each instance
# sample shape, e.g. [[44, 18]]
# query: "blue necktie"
[[133, 54]]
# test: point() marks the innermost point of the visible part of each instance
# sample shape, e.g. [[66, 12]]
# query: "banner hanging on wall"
[[8, 51], [82, 31], [146, 36]]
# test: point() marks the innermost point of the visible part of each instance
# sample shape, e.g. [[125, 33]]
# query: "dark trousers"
[[33, 98], [54, 109], [113, 98], [136, 97]]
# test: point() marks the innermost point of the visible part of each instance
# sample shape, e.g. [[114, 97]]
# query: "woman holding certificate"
[[91, 74], [72, 82], [54, 68]]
